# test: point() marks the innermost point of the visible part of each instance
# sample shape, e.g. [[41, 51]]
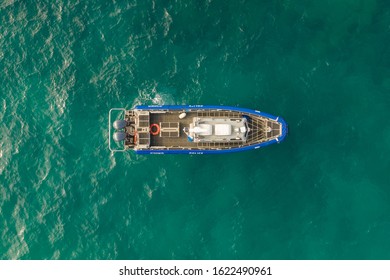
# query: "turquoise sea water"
[[324, 66]]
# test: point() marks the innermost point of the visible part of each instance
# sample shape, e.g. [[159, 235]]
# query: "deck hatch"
[[143, 138], [169, 129], [144, 120]]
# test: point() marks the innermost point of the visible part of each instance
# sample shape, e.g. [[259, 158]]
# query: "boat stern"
[[117, 129]]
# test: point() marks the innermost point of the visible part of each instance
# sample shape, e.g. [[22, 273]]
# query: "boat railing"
[[218, 113], [121, 113]]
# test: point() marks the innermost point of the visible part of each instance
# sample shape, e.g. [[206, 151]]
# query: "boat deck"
[[172, 142], [175, 137]]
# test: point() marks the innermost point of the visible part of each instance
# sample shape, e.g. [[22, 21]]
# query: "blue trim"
[[204, 152], [197, 107]]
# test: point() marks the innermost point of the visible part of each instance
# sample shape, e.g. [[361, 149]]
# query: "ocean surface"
[[324, 66]]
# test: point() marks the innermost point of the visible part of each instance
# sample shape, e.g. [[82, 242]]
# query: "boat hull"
[[152, 108]]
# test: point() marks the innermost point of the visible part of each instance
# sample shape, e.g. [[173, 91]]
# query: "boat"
[[192, 129]]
